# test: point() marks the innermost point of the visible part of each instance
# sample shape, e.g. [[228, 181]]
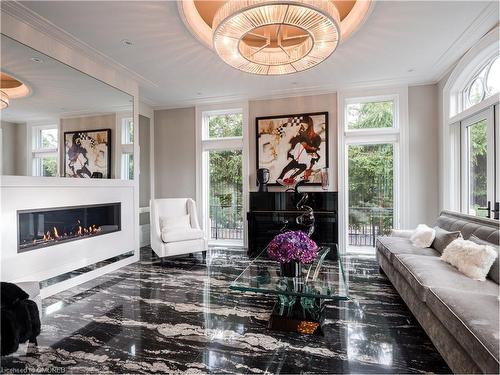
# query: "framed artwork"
[[293, 147], [87, 153]]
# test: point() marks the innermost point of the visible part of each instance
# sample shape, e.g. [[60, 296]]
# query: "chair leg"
[[204, 253]]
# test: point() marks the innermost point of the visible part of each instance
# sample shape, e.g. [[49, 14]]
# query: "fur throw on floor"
[[471, 259], [19, 316]]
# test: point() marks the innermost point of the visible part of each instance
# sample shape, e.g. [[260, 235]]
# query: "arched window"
[[470, 131], [484, 83]]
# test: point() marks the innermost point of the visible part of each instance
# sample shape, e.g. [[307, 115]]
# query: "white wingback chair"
[[174, 240]]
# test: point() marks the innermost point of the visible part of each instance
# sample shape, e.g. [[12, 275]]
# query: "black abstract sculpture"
[[306, 220], [263, 176]]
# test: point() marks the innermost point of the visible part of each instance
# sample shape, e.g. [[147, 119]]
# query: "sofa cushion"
[[176, 235], [424, 272], [483, 228], [472, 318], [176, 222], [444, 238], [389, 246]]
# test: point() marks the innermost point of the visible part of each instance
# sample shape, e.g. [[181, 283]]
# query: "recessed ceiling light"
[[127, 42], [37, 60], [198, 93], [411, 70]]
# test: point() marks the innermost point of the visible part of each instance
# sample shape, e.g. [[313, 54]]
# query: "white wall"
[[175, 153], [175, 142], [13, 149], [423, 137]]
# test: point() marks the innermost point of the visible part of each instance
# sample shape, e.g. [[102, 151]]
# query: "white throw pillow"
[[178, 222], [471, 259], [423, 236]]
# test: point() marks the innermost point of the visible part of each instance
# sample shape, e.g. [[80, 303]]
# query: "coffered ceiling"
[[401, 42]]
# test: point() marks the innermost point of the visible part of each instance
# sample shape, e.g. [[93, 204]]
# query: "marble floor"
[[179, 316]]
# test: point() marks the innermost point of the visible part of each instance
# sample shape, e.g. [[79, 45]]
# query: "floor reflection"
[[178, 315]]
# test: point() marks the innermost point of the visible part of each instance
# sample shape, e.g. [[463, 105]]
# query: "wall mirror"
[[59, 122]]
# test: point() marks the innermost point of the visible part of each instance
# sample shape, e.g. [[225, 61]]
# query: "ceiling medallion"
[[276, 37]]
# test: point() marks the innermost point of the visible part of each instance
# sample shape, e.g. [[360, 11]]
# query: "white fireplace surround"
[[23, 193]]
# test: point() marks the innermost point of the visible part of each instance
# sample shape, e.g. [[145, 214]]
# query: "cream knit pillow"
[[471, 259]]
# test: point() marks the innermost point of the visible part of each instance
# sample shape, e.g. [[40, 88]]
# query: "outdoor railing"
[[226, 222], [366, 223]]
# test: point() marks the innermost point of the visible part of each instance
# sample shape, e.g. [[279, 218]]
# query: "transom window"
[[483, 84], [370, 113], [223, 125]]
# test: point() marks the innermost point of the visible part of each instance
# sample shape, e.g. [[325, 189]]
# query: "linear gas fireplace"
[[51, 226]]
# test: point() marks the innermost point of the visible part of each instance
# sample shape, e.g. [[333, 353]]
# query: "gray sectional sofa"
[[460, 315]]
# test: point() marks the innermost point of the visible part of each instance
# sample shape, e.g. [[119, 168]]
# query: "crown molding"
[[489, 15], [297, 92], [44, 26]]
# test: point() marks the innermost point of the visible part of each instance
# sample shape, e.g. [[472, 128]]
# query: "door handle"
[[496, 211], [487, 209]]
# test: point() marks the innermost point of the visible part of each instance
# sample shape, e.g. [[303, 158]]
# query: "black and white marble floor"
[[180, 316]]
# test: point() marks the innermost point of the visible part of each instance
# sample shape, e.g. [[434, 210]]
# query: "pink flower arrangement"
[[292, 246]]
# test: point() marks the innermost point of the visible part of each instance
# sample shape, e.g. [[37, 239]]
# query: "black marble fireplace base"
[[269, 212]]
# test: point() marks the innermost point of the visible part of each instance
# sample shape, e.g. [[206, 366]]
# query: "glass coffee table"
[[300, 300]]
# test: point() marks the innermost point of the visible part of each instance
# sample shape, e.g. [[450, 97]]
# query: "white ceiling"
[[401, 42], [57, 90]]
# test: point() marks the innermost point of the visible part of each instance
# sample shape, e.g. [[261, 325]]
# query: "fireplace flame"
[[60, 235]]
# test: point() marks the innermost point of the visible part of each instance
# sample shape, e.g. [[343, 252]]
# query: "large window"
[[478, 164], [370, 169], [471, 131], [222, 170], [45, 150], [371, 191]]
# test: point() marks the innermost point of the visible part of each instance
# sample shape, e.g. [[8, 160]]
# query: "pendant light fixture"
[[276, 37], [4, 100]]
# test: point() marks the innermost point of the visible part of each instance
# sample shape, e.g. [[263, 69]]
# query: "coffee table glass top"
[[324, 279]]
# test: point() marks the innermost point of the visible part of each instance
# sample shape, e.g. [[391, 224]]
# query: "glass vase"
[[291, 269]]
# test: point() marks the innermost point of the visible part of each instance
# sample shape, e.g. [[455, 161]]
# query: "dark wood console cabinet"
[[268, 213]]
